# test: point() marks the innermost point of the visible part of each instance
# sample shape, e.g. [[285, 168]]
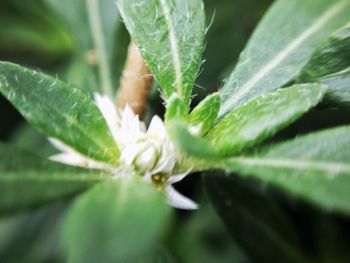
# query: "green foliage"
[[128, 215], [254, 217], [27, 181], [73, 117], [314, 167], [280, 47], [203, 116], [297, 58], [95, 29], [262, 117], [176, 29], [330, 65]]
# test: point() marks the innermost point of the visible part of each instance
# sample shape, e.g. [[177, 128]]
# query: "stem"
[[100, 47], [136, 82]]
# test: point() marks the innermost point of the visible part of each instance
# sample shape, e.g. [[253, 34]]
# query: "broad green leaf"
[[330, 65], [95, 27], [170, 37], [203, 116], [314, 167], [58, 110], [116, 221], [255, 220], [262, 117], [28, 181], [280, 47]]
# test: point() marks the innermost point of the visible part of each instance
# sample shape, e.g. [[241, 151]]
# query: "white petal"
[[59, 145], [129, 154], [177, 177], [108, 111], [165, 165], [157, 128], [69, 158], [177, 200]]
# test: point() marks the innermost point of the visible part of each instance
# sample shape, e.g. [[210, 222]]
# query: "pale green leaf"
[[262, 117], [280, 47], [170, 37], [28, 181], [116, 221], [203, 116], [58, 110], [314, 167]]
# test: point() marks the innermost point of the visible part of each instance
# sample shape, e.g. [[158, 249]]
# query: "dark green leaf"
[[262, 117], [58, 110], [258, 224], [116, 221], [330, 65], [314, 167], [170, 36], [280, 47], [27, 181]]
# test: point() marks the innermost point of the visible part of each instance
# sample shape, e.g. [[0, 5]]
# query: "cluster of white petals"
[[145, 152]]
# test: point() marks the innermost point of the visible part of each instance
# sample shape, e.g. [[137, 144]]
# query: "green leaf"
[[203, 116], [175, 109], [280, 47], [115, 221], [188, 143], [28, 181], [95, 27], [330, 65], [314, 167], [262, 117], [254, 219], [170, 37], [58, 110]]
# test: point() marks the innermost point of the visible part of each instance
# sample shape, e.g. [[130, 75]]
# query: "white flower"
[[149, 153]]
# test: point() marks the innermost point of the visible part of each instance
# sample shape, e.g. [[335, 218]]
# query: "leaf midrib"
[[318, 24], [173, 46], [333, 167]]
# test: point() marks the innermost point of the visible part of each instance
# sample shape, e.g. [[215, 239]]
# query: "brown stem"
[[136, 82]]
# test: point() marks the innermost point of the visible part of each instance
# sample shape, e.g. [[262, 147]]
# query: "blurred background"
[[36, 34]]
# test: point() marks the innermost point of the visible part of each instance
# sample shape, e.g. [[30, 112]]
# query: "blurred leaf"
[[330, 65], [255, 221], [58, 110], [262, 117], [29, 30], [314, 167], [28, 138], [203, 116], [119, 220], [203, 238], [95, 26], [27, 180], [272, 59], [176, 29], [230, 23]]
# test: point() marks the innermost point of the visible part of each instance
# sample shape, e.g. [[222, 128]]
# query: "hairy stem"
[[136, 82]]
